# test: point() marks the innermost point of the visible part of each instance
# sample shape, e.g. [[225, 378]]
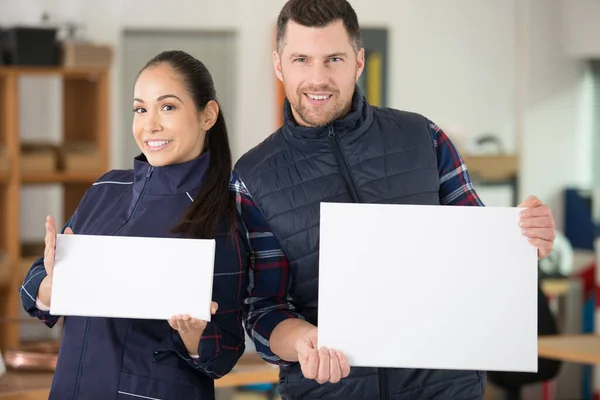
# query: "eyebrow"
[[300, 55], [160, 98]]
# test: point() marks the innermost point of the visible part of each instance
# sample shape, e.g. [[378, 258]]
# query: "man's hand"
[[537, 224], [322, 364]]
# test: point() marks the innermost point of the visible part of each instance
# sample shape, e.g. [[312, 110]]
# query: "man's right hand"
[[322, 364]]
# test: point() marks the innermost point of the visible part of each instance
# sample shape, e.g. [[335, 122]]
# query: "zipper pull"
[[149, 173], [331, 132]]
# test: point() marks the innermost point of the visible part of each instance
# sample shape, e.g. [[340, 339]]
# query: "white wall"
[[458, 62], [581, 28], [556, 140]]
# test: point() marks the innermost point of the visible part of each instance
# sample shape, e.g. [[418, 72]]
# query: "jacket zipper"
[[356, 197], [83, 351], [87, 321], [137, 203]]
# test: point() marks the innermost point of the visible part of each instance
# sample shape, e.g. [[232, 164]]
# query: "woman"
[[178, 187]]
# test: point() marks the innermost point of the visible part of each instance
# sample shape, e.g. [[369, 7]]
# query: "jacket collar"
[[170, 179], [348, 128]]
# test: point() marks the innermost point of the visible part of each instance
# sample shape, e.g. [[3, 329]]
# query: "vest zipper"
[[137, 202], [357, 198], [383, 385], [344, 166]]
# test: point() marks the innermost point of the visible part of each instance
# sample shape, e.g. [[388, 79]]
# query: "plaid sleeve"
[[223, 341], [267, 303], [456, 187], [31, 285]]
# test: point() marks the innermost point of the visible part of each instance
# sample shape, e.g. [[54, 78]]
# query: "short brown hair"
[[318, 13]]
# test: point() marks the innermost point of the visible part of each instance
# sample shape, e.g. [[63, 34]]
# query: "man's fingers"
[[68, 231], [324, 361], [344, 365], [541, 211], [537, 222], [531, 201], [311, 365], [213, 307], [546, 234], [335, 373]]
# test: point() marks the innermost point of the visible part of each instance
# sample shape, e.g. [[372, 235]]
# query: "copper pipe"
[[41, 356]]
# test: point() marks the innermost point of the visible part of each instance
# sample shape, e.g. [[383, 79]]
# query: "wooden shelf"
[[85, 118], [492, 167], [61, 177], [68, 73]]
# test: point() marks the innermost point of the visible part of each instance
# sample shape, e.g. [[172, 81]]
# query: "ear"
[[209, 115], [277, 65], [360, 63]]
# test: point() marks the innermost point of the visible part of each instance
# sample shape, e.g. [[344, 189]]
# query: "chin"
[[158, 161]]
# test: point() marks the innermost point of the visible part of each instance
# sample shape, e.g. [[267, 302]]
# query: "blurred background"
[[514, 83]]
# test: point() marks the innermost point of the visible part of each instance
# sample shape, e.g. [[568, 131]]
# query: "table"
[[582, 349], [36, 385], [555, 287]]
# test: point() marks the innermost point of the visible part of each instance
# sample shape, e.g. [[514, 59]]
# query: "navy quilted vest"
[[373, 155]]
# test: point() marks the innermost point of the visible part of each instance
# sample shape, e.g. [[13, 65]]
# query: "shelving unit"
[[85, 120]]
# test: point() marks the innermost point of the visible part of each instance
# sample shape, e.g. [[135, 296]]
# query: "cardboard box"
[[38, 157], [80, 157], [86, 55], [492, 167]]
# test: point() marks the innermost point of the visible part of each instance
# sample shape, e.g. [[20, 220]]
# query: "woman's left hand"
[[185, 324]]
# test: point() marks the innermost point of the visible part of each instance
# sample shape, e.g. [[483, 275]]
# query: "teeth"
[[315, 97], [157, 143]]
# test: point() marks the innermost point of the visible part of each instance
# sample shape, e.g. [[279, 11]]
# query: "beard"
[[317, 116]]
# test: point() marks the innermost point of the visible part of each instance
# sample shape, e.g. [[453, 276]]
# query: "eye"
[[168, 107], [335, 59], [139, 110], [300, 59]]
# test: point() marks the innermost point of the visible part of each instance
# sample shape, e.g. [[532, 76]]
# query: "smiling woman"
[[178, 188]]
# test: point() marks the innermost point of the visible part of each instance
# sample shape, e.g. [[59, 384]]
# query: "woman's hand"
[[191, 329], [50, 240], [49, 255]]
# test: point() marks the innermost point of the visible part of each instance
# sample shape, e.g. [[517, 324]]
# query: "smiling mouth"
[[155, 145], [318, 99]]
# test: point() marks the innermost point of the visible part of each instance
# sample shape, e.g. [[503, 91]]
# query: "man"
[[335, 147]]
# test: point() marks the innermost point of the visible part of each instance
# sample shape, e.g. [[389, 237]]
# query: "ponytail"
[[214, 204]]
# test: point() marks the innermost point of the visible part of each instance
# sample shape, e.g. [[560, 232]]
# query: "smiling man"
[[335, 147]]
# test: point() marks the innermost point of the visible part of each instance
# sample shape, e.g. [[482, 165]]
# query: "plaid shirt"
[[268, 303]]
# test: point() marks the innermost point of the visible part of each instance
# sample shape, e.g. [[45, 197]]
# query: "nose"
[[318, 75], [152, 123]]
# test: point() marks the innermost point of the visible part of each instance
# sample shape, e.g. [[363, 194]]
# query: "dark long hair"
[[213, 204]]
